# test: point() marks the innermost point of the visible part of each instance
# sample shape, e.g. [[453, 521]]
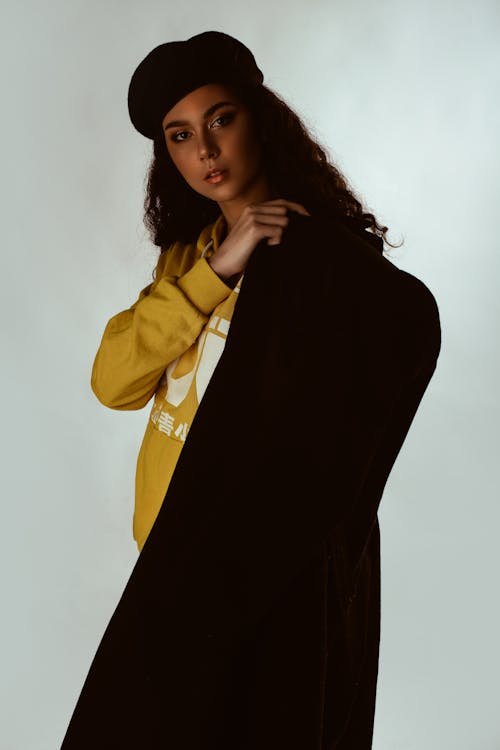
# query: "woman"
[[285, 380], [247, 205]]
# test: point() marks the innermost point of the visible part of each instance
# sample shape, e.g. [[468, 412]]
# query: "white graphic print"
[[166, 422], [178, 388], [209, 347], [181, 431]]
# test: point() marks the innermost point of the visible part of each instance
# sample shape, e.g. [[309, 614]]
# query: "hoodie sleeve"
[[139, 343]]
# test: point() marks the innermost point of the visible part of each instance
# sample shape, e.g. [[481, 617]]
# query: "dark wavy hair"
[[174, 211]]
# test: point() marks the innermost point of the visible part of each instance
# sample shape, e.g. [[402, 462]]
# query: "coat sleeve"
[[139, 343]]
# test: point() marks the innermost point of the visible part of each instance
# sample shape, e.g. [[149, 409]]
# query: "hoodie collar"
[[211, 235]]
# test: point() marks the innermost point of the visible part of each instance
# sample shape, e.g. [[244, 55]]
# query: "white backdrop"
[[405, 97]]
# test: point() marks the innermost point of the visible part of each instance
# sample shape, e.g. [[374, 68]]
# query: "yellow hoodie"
[[167, 344]]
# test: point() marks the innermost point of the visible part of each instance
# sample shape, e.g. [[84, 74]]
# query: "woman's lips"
[[217, 177]]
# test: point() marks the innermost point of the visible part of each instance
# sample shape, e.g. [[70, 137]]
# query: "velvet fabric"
[[251, 620]]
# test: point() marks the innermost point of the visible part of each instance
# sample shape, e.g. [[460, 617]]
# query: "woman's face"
[[211, 129]]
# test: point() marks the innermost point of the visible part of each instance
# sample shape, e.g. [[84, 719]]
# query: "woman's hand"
[[257, 221]]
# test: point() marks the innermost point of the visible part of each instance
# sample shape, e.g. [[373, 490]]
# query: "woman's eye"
[[226, 117], [174, 137]]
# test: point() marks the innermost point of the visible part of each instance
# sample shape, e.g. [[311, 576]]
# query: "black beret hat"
[[174, 69]]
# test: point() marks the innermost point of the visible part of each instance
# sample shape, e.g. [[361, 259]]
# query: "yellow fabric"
[[166, 344]]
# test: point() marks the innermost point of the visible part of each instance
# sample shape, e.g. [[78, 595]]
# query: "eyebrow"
[[210, 110]]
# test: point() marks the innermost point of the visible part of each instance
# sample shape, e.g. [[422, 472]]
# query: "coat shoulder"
[[420, 295], [351, 268]]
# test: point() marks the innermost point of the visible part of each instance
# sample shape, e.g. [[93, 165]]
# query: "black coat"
[[251, 619]]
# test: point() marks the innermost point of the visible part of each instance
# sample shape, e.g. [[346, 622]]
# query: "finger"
[[267, 219], [277, 210], [267, 208], [281, 203], [298, 207]]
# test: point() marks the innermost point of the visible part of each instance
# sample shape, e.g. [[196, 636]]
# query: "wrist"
[[222, 270]]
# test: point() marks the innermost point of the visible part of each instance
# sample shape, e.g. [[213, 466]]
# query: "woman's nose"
[[207, 147]]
